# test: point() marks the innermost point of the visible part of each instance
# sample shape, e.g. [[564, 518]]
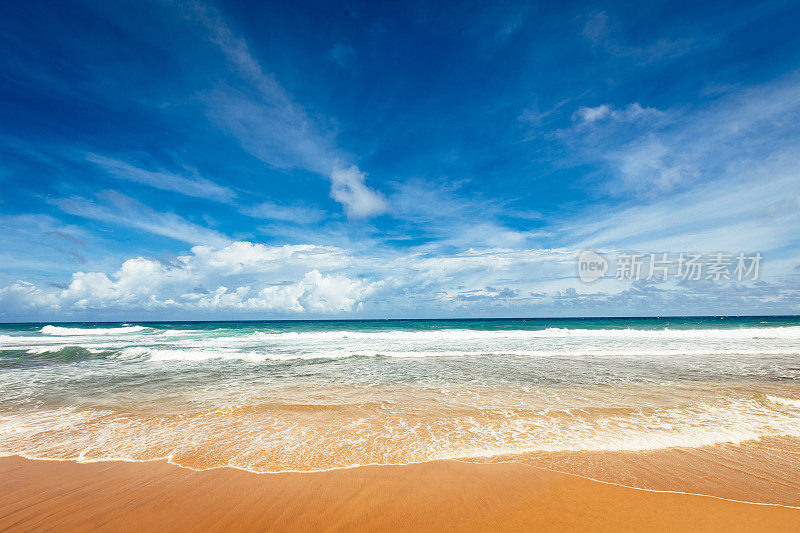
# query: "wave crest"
[[62, 331]]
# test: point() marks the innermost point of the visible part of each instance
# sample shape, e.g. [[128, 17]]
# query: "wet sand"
[[765, 470], [435, 496]]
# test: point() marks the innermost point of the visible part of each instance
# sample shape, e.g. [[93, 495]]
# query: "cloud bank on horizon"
[[189, 160]]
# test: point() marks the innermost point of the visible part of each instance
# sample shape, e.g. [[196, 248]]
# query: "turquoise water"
[[436, 324], [303, 395]]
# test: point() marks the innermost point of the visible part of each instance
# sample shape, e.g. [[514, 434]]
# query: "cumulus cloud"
[[248, 279], [348, 187], [23, 297], [245, 277], [315, 293]]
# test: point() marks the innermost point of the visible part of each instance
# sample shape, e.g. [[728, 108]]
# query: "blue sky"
[[179, 160]]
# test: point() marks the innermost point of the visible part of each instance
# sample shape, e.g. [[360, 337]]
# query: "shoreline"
[[449, 494], [768, 467], [466, 461]]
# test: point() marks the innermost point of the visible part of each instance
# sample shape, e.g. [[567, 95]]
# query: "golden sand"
[[435, 496], [765, 471]]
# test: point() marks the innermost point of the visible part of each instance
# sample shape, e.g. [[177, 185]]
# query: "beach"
[[435, 496], [557, 424]]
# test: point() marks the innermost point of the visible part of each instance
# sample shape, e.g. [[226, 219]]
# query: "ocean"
[[314, 395]]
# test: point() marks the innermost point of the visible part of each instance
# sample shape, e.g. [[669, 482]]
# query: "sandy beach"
[[435, 496], [487, 426]]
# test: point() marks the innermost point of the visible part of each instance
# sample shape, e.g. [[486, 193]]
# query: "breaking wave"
[[59, 330], [306, 396]]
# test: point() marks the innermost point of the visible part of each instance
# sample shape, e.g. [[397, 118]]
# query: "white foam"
[[154, 354], [540, 343], [785, 401], [38, 350], [267, 438], [182, 332], [199, 345], [58, 330], [785, 332]]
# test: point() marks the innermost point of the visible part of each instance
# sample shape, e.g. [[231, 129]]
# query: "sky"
[[169, 160]]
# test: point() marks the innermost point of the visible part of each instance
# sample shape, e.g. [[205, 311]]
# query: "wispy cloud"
[[275, 131], [604, 34], [120, 210], [296, 214], [270, 125], [600, 113], [196, 186], [651, 151], [437, 212], [733, 215], [39, 242]]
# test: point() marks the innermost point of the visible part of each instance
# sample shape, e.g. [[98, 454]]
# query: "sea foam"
[[58, 330]]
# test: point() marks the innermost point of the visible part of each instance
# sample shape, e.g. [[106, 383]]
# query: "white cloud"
[[315, 293], [246, 277], [437, 213], [273, 128], [195, 186], [270, 125], [21, 298], [255, 280], [91, 290], [121, 210], [256, 271], [591, 114], [633, 112], [650, 162], [348, 187], [296, 214], [651, 152], [338, 293], [735, 215], [247, 257]]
